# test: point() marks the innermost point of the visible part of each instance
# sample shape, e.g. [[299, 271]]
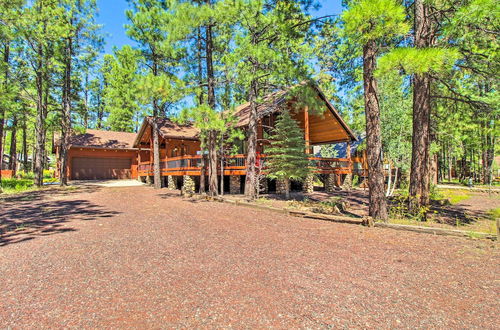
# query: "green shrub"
[[399, 209], [25, 175], [16, 185], [48, 174]]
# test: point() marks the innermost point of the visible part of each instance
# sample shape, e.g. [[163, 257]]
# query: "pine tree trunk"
[[420, 162], [25, 146], [13, 146], [488, 155], [212, 135], [250, 189], [66, 116], [40, 118], [156, 152], [156, 138], [200, 65], [100, 109], [389, 181], [378, 203], [450, 165], [221, 166], [212, 168], [202, 172], [287, 189], [5, 82]]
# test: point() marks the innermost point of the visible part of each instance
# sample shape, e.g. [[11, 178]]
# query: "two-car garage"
[[99, 155], [83, 168]]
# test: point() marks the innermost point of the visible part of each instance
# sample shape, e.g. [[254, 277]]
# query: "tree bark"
[[378, 203], [66, 114], [488, 153], [13, 146], [156, 138], [40, 119], [212, 166], [212, 135], [420, 161], [389, 181], [6, 56], [25, 145], [221, 166], [250, 189], [287, 188], [202, 172], [156, 152]]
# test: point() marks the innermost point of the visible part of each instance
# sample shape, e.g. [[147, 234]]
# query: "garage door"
[[83, 168]]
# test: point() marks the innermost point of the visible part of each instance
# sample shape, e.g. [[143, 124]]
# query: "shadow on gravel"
[[27, 216], [452, 214]]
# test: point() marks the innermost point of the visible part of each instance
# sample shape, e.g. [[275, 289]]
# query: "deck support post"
[[148, 179], [330, 183], [308, 185], [234, 184], [171, 182], [188, 186]]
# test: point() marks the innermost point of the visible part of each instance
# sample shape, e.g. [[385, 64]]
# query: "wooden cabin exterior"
[[118, 155], [180, 152]]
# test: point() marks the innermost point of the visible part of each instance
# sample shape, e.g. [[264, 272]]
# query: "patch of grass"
[[455, 196], [494, 214], [263, 200], [12, 186], [15, 185], [411, 222]]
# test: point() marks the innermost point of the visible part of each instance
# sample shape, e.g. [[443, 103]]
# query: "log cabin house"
[[101, 154]]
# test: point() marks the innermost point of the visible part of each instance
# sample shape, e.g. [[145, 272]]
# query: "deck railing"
[[192, 165]]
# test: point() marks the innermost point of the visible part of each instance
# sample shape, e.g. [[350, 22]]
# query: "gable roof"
[[272, 101], [168, 130], [94, 138]]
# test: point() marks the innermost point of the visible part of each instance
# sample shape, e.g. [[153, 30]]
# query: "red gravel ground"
[[135, 257]]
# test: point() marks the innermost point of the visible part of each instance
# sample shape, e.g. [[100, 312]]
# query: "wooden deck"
[[236, 165]]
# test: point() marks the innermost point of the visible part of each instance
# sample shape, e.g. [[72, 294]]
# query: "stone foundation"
[[188, 186], [171, 182], [308, 185], [347, 185], [330, 183], [280, 186], [234, 184], [263, 186]]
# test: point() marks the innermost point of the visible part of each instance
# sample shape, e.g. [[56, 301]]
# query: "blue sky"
[[112, 17]]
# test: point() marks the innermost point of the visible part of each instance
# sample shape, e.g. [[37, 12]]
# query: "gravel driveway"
[[136, 257]]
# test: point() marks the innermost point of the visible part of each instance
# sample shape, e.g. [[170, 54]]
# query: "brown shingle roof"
[[269, 105], [103, 139], [169, 129]]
